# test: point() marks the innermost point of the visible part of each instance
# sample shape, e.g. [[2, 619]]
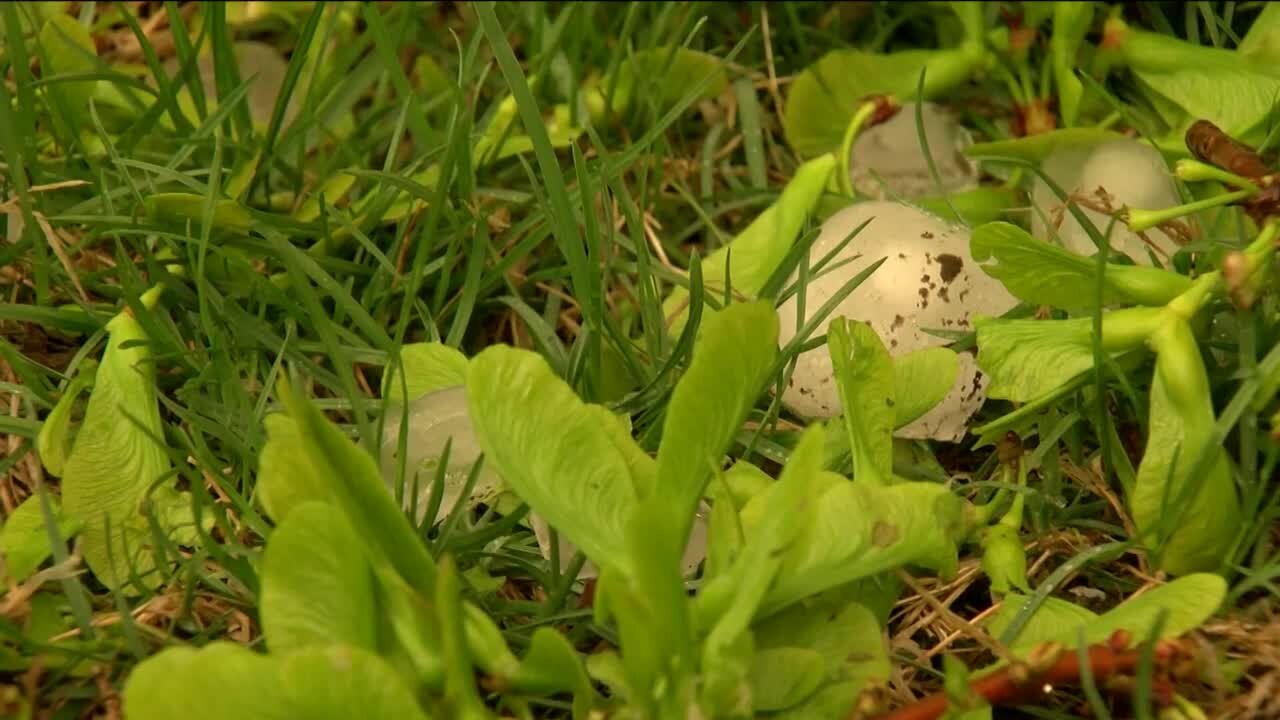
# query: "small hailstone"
[[1130, 173], [891, 150]]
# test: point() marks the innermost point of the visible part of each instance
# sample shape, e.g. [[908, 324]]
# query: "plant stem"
[[1138, 219], [860, 118]]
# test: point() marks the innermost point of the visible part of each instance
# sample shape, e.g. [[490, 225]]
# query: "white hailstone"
[[928, 281], [434, 419], [1131, 172], [892, 151], [439, 416]]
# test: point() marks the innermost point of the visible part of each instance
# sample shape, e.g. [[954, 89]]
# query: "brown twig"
[[1050, 665]]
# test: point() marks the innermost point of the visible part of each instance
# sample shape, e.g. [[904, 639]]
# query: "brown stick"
[[1023, 682]]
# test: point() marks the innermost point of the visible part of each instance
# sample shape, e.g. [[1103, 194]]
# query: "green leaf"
[[1189, 600], [225, 680], [1070, 23], [1261, 45], [560, 455], [1044, 625], [865, 379], [1236, 99], [1004, 560], [317, 585], [732, 360], [183, 208], [850, 642], [1042, 273], [287, 477], [728, 604], [116, 457], [824, 98], [1190, 520], [551, 666], [921, 379], [861, 530], [783, 677], [333, 190], [348, 476], [974, 206], [755, 254], [54, 442], [70, 51], [1035, 148], [426, 367], [1026, 359], [667, 75], [24, 541]]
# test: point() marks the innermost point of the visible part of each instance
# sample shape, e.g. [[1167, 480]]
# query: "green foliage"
[[24, 539]]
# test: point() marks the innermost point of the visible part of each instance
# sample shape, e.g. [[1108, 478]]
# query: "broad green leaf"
[[349, 478], [1003, 559], [1262, 43], [728, 604], [1046, 624], [560, 455], [921, 379], [768, 529], [731, 361], [408, 632], [225, 680], [666, 75], [427, 367], [333, 190], [317, 584], [1026, 359], [861, 530], [865, 378], [1042, 273], [758, 250], [1034, 148], [824, 98], [1189, 600], [783, 677], [116, 457], [1070, 23], [1236, 99], [850, 641], [974, 206], [54, 442], [183, 208], [286, 476], [69, 51], [550, 666], [1190, 520], [24, 541]]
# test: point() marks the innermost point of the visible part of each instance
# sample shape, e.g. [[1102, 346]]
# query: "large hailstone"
[[439, 416], [887, 160], [928, 281], [1131, 172]]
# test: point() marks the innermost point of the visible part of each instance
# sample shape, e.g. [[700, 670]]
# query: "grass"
[[564, 250]]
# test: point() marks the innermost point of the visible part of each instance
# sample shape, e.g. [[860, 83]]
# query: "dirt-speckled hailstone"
[[1131, 173], [892, 151], [928, 281]]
